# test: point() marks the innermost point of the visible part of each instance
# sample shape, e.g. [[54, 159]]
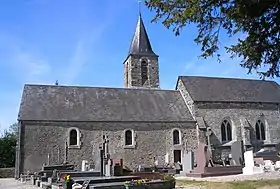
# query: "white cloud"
[[20, 58], [27, 65], [32, 66], [81, 55], [211, 67], [86, 44]]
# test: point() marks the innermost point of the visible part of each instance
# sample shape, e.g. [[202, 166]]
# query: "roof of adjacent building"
[[71, 103], [140, 44], [231, 89]]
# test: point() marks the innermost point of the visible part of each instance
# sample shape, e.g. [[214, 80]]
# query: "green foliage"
[[8, 147], [169, 178], [13, 129], [259, 20]]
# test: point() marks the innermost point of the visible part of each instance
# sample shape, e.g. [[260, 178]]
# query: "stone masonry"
[[242, 116], [151, 140], [132, 74]]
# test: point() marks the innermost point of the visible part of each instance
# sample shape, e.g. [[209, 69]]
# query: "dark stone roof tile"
[[70, 103], [211, 89]]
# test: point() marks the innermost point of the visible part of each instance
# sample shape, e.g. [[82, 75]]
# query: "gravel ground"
[[262, 176], [11, 183]]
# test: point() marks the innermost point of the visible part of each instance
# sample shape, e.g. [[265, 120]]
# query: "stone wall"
[[215, 113], [151, 140], [242, 116], [132, 73], [7, 172]]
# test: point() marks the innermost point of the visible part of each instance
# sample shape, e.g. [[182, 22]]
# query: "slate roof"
[[209, 89], [140, 44], [70, 103]]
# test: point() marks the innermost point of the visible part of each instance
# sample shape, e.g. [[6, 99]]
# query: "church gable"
[[210, 89], [65, 103]]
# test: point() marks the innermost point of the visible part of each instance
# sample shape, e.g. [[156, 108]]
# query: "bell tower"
[[141, 68]]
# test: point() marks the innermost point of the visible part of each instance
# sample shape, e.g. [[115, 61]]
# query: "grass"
[[258, 184]]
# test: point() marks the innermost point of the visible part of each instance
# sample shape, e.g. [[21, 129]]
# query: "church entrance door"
[[177, 156]]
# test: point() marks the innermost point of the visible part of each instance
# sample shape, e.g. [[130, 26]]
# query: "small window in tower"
[[144, 71]]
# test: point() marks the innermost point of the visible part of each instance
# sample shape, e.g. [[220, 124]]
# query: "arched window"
[[226, 131], [73, 137], [144, 71], [176, 137], [128, 137], [260, 130]]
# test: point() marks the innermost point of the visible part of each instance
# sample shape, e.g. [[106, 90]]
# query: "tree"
[[13, 129], [259, 20], [8, 147]]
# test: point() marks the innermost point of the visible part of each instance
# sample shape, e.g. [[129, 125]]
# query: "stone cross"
[[106, 147], [139, 4], [104, 154], [208, 134]]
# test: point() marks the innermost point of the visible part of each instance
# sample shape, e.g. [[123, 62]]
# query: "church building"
[[142, 121]]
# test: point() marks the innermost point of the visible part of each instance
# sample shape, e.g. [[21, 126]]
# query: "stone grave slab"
[[81, 173], [96, 180], [58, 167], [237, 153]]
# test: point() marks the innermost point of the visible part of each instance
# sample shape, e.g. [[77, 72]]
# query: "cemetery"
[[195, 164], [111, 175], [206, 129]]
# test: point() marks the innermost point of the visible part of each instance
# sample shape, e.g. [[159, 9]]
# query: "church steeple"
[[141, 64], [140, 44]]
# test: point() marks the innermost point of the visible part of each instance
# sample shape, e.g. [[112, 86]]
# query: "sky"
[[85, 43]]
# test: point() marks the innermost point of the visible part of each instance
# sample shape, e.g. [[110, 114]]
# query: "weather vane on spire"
[[139, 6]]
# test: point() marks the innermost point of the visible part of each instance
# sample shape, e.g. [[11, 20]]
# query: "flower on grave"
[[136, 182], [67, 178]]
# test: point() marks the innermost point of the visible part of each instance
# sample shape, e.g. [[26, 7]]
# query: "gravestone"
[[201, 157], [249, 159], [237, 153], [250, 167], [108, 168], [205, 166], [166, 158], [85, 165], [188, 162]]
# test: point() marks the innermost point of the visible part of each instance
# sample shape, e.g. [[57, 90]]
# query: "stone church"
[[142, 121]]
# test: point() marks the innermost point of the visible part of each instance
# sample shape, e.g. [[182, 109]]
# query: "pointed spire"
[[140, 44]]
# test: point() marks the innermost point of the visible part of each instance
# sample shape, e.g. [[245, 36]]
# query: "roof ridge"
[[231, 78], [100, 87]]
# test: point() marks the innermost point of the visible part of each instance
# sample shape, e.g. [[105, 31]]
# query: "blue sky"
[[85, 43]]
